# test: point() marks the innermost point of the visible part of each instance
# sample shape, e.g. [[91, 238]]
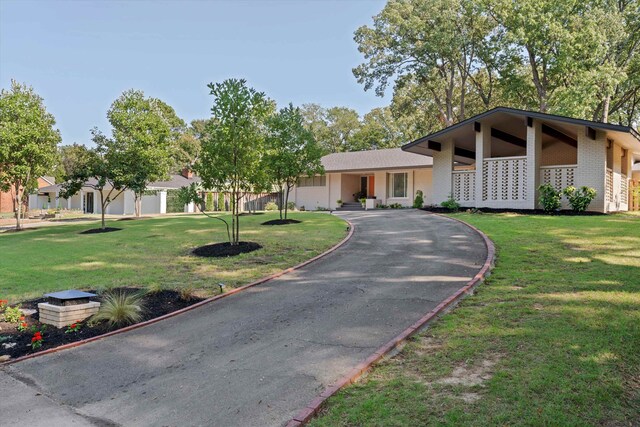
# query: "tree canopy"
[[28, 142]]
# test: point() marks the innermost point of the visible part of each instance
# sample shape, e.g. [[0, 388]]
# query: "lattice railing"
[[608, 186], [464, 185], [560, 177], [624, 189], [504, 179]]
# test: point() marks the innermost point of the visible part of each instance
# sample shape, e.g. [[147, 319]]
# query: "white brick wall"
[[592, 158]]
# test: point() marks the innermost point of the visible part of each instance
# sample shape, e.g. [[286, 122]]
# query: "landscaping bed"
[[443, 210], [226, 249], [155, 304], [281, 222]]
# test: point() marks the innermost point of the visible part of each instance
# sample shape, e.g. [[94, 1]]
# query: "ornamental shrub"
[[12, 314], [291, 206], [579, 199], [209, 207], [271, 206], [220, 206], [120, 309], [418, 202], [549, 198], [451, 204]]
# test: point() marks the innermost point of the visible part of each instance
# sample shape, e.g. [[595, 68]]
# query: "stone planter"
[[64, 315]]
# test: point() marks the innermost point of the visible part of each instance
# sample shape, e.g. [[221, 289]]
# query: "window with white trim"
[[397, 185], [312, 181]]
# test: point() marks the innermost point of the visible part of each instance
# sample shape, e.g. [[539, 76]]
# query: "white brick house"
[[498, 159]]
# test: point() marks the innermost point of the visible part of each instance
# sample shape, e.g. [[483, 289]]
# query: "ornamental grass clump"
[[120, 309]]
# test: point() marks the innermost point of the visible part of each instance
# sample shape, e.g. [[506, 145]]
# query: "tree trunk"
[[286, 203], [18, 205], [102, 209], [280, 200], [137, 205], [605, 109]]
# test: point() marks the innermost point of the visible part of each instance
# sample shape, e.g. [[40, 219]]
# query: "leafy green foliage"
[[451, 204], [120, 309], [28, 143], [579, 199], [232, 148], [209, 202], [12, 314], [291, 152], [549, 198], [271, 206], [418, 202], [193, 194]]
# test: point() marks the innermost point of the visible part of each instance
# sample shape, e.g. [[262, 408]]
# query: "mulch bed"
[[221, 250], [155, 304], [134, 218], [281, 222], [439, 209], [100, 230]]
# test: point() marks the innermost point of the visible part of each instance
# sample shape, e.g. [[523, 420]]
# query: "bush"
[[291, 206], [363, 200], [339, 201], [221, 206], [271, 206], [209, 207], [451, 204], [12, 314], [579, 199], [549, 198], [120, 309], [418, 202], [395, 206]]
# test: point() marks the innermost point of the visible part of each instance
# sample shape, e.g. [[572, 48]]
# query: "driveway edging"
[[189, 308], [312, 409]]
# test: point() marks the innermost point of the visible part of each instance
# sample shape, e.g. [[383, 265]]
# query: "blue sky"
[[80, 55]]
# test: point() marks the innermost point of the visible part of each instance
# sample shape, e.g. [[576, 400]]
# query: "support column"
[[592, 166], [163, 202], [442, 168], [534, 156], [483, 150]]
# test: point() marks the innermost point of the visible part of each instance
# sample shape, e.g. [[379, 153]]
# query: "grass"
[[551, 338], [155, 254]]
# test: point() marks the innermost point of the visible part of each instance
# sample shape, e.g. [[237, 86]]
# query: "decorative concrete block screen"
[[560, 177], [624, 189], [504, 180], [464, 185], [608, 185]]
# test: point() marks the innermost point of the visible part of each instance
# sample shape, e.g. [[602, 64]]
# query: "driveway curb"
[[189, 308], [352, 376]]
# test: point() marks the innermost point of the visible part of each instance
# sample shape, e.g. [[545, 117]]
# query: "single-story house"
[[497, 159], [7, 199], [158, 198], [384, 176]]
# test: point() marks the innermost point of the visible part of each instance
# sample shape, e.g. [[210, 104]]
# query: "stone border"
[[189, 308], [312, 409]]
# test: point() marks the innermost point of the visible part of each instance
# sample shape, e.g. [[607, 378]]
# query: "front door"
[[371, 187], [88, 203]]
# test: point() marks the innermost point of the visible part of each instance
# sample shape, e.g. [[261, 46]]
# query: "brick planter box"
[[64, 315]]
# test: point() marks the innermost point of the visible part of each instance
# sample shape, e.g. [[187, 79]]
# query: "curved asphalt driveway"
[[257, 357]]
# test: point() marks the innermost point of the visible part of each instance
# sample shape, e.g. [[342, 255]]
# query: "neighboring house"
[[158, 199], [498, 159], [7, 199], [383, 176]]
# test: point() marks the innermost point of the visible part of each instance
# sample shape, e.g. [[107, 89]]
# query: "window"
[[312, 181], [397, 185]]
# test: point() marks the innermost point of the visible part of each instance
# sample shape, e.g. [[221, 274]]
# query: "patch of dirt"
[[134, 218], [100, 230], [14, 343], [221, 250], [281, 222], [251, 213], [470, 376]]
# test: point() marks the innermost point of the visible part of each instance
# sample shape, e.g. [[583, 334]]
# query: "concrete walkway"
[[255, 358]]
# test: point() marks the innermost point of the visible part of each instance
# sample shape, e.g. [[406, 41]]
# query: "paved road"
[[255, 358]]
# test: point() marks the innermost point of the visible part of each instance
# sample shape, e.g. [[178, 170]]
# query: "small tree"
[[418, 202], [27, 143], [103, 168], [146, 131], [292, 152], [233, 144]]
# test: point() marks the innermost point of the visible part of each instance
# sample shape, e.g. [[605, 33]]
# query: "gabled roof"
[[390, 158], [462, 132], [174, 182]]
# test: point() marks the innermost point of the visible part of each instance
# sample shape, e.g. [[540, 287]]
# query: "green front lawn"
[[154, 253], [551, 338]]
